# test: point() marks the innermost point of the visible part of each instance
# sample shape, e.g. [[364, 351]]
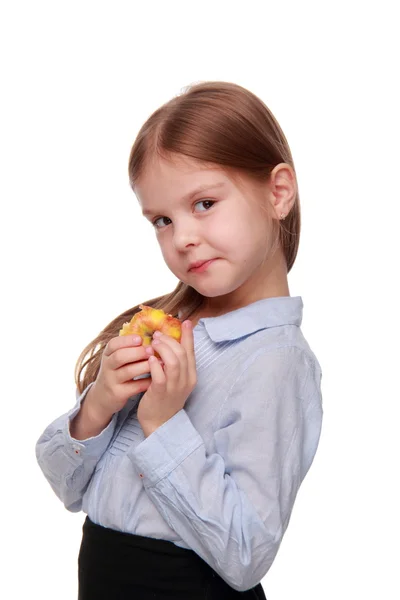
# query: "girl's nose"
[[185, 235]]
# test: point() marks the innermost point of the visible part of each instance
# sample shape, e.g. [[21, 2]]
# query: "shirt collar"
[[263, 314]]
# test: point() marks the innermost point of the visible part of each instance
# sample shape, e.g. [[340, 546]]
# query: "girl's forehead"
[[179, 175]]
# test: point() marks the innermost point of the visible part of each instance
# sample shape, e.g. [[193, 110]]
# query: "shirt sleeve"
[[67, 463], [232, 506]]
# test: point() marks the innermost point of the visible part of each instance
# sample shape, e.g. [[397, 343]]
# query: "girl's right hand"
[[124, 358]]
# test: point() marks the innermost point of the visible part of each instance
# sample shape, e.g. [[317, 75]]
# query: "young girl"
[[188, 477]]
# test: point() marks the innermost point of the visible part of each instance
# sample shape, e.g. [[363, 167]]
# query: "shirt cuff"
[[165, 449], [93, 446]]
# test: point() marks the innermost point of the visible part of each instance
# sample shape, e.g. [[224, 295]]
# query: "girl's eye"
[[158, 223], [209, 203], [155, 223]]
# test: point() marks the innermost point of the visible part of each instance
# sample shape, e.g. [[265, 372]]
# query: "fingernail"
[[137, 339], [149, 350], [157, 334], [155, 342]]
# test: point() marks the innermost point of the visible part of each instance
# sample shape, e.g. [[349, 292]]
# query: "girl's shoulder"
[[284, 347]]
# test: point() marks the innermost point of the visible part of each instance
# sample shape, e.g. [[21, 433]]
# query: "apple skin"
[[148, 320]]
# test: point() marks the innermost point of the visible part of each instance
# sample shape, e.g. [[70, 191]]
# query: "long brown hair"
[[222, 124]]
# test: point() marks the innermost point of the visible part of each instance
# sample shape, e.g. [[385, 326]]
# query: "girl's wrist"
[[90, 420], [96, 412], [149, 428]]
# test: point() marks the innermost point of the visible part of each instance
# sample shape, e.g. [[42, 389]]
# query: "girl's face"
[[200, 214]]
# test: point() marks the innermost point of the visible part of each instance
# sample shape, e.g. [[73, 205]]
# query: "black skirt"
[[114, 565]]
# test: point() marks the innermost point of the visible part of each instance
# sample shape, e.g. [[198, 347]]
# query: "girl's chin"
[[212, 290]]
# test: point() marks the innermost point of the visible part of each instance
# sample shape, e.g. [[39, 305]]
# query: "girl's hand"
[[170, 386], [123, 358]]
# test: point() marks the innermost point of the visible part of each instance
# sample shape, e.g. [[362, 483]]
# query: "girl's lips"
[[202, 267]]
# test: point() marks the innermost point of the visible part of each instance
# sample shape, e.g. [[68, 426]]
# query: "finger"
[[124, 356], [174, 358], [158, 377], [177, 348], [136, 387], [122, 341], [131, 371]]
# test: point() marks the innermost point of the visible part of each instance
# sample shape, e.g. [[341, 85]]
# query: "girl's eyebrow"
[[190, 195]]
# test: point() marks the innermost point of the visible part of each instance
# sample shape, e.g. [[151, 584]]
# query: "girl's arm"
[[232, 506], [68, 463]]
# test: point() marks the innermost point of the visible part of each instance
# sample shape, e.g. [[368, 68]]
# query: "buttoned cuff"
[[165, 449], [93, 446]]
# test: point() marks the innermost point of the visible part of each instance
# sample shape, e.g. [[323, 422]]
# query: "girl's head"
[[214, 174], [221, 137]]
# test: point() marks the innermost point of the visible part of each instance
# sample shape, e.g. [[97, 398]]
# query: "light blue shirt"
[[221, 476]]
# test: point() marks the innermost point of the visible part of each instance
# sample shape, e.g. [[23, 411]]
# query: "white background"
[[78, 79]]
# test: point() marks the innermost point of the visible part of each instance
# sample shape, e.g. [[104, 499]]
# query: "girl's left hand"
[[170, 386]]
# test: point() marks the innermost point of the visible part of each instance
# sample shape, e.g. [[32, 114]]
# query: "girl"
[[188, 477]]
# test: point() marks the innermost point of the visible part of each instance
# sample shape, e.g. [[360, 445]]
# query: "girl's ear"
[[283, 189]]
